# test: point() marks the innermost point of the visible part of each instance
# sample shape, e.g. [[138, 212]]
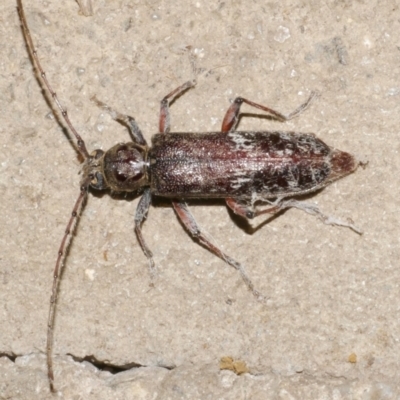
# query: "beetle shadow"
[[242, 223]]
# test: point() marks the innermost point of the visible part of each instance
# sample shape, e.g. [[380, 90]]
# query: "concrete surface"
[[330, 328]]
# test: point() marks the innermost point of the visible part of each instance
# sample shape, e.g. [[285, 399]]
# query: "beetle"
[[242, 167]]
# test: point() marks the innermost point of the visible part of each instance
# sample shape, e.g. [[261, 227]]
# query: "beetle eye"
[[98, 154], [98, 182]]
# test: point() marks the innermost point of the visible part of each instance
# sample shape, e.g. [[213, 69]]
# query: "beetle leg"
[[314, 210], [232, 115], [250, 212], [141, 213], [164, 122], [191, 225], [128, 121]]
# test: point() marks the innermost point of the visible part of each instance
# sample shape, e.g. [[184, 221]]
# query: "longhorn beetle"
[[244, 168]]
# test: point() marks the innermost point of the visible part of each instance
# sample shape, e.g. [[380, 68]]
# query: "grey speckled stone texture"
[[333, 296]]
